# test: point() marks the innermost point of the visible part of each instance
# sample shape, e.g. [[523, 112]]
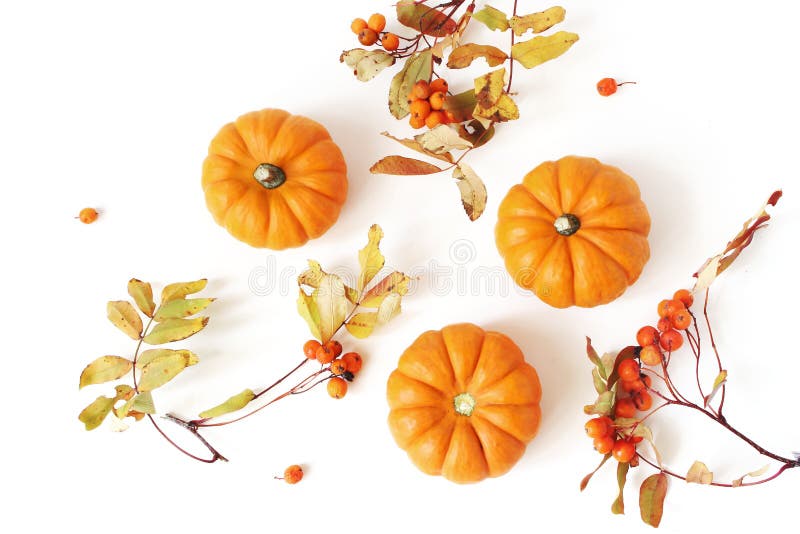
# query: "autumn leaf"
[[396, 282], [362, 324], [93, 415], [164, 368], [538, 22], [651, 498], [124, 316], [592, 353], [234, 403], [180, 290], [618, 506], [422, 18], [461, 105], [147, 356], [475, 132], [389, 308], [174, 330], [142, 295], [493, 103], [473, 192], [366, 64], [181, 308], [370, 258], [587, 478], [494, 19], [757, 473], [399, 165], [413, 144], [331, 304], [307, 309], [463, 56], [602, 406], [699, 474], [719, 382], [417, 67], [105, 369], [441, 140], [541, 49]]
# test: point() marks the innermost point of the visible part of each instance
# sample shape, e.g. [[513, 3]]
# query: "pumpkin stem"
[[567, 224], [464, 404], [269, 175]]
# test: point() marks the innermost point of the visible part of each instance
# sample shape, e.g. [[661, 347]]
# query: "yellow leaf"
[[538, 22], [148, 356], [366, 63], [237, 402], [403, 166], [104, 369], [473, 191], [331, 304], [463, 56], [493, 103], [174, 330], [312, 277], [161, 370], [494, 19], [699, 474], [361, 325], [370, 258], [94, 414], [396, 282], [142, 295], [417, 67], [180, 308], [441, 140], [124, 316], [389, 308], [179, 290], [307, 309], [541, 49]]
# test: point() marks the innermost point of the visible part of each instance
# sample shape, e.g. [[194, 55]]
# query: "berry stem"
[[716, 353], [719, 484]]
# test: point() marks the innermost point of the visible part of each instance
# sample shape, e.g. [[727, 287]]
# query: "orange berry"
[[671, 340], [603, 445], [416, 122], [607, 86], [435, 118], [669, 306], [420, 108], [353, 362], [642, 400], [623, 451], [338, 367], [390, 42], [439, 85], [631, 386], [450, 116], [421, 90], [681, 319], [337, 387], [310, 348], [664, 324], [325, 354], [685, 296], [437, 99], [647, 335], [293, 474], [376, 22], [335, 346], [624, 408], [357, 25], [367, 37], [628, 370], [599, 427], [650, 355], [88, 215]]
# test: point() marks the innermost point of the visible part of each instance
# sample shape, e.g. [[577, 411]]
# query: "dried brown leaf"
[[402, 166]]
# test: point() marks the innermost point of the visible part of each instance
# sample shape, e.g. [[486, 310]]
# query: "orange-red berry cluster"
[[343, 367], [607, 440], [673, 317], [370, 31], [426, 102]]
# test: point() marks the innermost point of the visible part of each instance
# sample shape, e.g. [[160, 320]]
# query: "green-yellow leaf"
[[94, 414], [142, 295], [651, 498], [541, 49], [413, 144], [125, 317], [599, 383], [362, 324], [179, 290], [370, 258], [162, 369], [699, 474], [463, 56], [104, 369], [174, 330], [538, 22], [472, 189], [494, 19], [237, 402], [441, 140], [618, 506], [402, 166], [142, 403], [603, 405], [332, 305], [585, 480], [417, 67], [395, 282], [180, 308], [493, 103], [461, 105], [312, 276], [592, 353], [366, 64], [307, 309], [148, 356]]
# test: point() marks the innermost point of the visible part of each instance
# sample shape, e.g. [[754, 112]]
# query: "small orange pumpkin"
[[464, 403], [274, 179], [574, 232]]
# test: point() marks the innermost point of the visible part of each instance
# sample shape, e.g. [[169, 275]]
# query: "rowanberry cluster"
[[370, 31], [426, 104], [608, 440], [343, 369], [674, 316]]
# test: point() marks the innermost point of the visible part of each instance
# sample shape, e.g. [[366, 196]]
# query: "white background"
[[112, 104]]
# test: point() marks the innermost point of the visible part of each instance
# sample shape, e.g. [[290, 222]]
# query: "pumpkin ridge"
[[571, 264], [497, 428], [484, 387], [237, 176], [547, 257], [608, 256], [325, 135], [232, 224], [427, 428], [468, 379], [534, 217], [418, 381], [280, 198], [579, 197], [270, 141], [539, 202], [635, 202], [295, 183], [535, 268], [558, 188], [244, 191]]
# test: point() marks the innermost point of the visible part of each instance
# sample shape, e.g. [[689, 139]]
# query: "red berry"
[[624, 408], [650, 355], [623, 451], [685, 296], [335, 346], [664, 324], [671, 340], [604, 445], [628, 370], [338, 367], [607, 86], [293, 474], [325, 354], [681, 319], [310, 348], [669, 306], [599, 427], [337, 387], [647, 335], [353, 361], [642, 400]]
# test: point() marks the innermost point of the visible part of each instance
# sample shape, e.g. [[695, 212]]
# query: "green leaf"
[[413, 144], [395, 282], [651, 498], [164, 368], [366, 64], [463, 56], [541, 49], [125, 317], [362, 324], [461, 106], [417, 67], [237, 402], [180, 308], [699, 474], [592, 354], [179, 290], [148, 356], [93, 415], [494, 19], [618, 506], [599, 383], [493, 103], [142, 295], [307, 309], [174, 330], [399, 165], [332, 305], [472, 189], [587, 478], [370, 258], [441, 140], [104, 369], [424, 19], [538, 22], [143, 402]]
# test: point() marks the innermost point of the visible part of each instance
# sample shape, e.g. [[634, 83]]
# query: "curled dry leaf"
[[95, 413], [719, 383], [461, 105], [332, 305], [399, 165], [473, 192], [234, 403], [417, 67], [307, 309], [105, 369], [463, 56], [493, 104], [396, 282], [475, 132], [618, 506], [124, 316], [757, 473], [587, 478], [541, 49], [366, 64], [413, 144], [538, 22], [651, 498], [493, 18], [699, 474], [441, 140], [424, 19]]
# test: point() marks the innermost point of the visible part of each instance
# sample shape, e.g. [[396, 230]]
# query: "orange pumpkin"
[[464, 403], [574, 232], [274, 180]]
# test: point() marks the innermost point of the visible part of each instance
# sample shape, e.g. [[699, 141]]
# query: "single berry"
[[669, 306], [367, 37], [671, 340], [88, 215], [685, 296], [293, 474], [353, 362], [338, 367], [631, 386], [310, 348], [599, 427], [376, 22], [624, 408], [650, 355], [608, 86], [416, 122], [681, 319], [325, 354], [604, 445], [335, 346], [337, 387], [420, 108], [642, 400], [628, 370], [647, 335], [390, 42], [439, 85], [357, 25], [437, 99], [664, 324], [623, 451], [435, 118], [421, 90]]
